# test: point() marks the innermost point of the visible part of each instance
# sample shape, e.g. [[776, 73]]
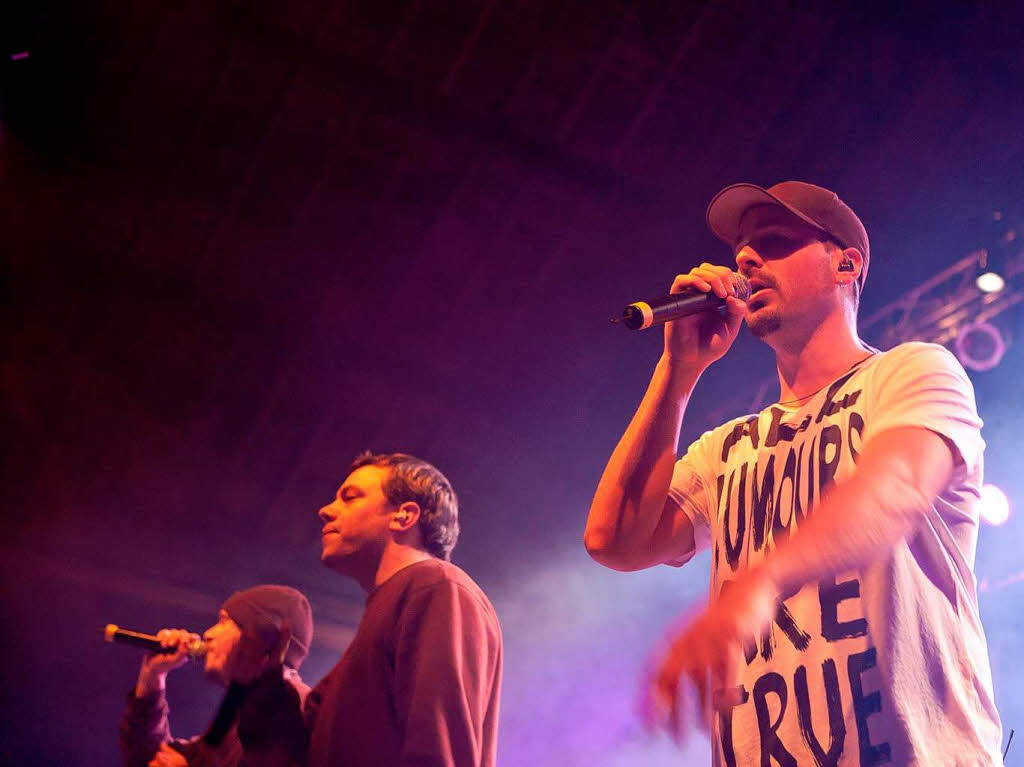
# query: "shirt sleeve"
[[924, 385], [691, 491], [144, 726], [447, 670]]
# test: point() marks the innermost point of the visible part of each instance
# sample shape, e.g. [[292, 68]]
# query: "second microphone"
[[643, 314], [114, 633]]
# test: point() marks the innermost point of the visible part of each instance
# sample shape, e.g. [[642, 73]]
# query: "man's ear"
[[404, 517], [847, 265]]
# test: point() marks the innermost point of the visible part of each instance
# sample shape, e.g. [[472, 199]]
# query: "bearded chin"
[[764, 323]]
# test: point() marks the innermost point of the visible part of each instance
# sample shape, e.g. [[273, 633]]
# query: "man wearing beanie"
[[420, 682], [254, 650], [843, 625]]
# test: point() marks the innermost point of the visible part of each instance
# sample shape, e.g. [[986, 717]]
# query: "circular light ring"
[[980, 364]]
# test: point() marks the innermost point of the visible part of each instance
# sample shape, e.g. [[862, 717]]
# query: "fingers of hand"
[[723, 689], [177, 643], [684, 281], [737, 309], [697, 677], [664, 688], [700, 678], [673, 697], [720, 278], [174, 637], [659, 688], [735, 312], [707, 278], [698, 700], [685, 706]]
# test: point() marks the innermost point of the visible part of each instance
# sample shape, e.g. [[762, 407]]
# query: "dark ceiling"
[[246, 240]]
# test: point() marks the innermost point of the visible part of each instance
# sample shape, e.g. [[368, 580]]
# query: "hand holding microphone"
[[169, 649], [702, 314], [690, 299], [195, 647]]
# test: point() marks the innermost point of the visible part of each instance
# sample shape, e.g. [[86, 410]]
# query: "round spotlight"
[[990, 282], [980, 346], [995, 506]]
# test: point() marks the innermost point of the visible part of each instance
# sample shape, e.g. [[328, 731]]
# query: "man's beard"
[[763, 322]]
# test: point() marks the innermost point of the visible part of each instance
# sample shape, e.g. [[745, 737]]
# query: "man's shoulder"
[[434, 572], [914, 363], [919, 352], [439, 579]]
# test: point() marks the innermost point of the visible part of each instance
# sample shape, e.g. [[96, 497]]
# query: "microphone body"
[[114, 633], [644, 314]]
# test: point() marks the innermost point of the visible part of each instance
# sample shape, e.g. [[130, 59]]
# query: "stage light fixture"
[[990, 278], [980, 346], [995, 506], [990, 282], [1004, 242]]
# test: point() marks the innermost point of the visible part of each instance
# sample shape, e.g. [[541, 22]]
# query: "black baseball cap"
[[812, 204]]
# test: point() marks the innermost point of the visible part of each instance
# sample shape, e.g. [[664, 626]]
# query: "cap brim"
[[728, 206]]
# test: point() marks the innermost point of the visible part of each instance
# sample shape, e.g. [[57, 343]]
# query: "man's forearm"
[[634, 486], [144, 726], [150, 682], [861, 519]]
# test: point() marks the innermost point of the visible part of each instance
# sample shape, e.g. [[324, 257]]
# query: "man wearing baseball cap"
[[842, 520], [254, 649]]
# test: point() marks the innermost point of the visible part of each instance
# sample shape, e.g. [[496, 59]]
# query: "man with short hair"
[[254, 650], [843, 625], [420, 682]]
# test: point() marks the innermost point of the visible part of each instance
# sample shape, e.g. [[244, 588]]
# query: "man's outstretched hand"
[[699, 671]]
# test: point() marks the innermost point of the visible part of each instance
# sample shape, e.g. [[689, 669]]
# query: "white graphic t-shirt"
[[887, 665]]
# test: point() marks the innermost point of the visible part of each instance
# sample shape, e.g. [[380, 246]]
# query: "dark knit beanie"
[[263, 610]]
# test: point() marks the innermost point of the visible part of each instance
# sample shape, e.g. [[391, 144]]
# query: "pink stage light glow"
[[995, 506], [19, 56]]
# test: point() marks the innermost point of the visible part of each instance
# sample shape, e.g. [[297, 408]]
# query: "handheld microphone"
[[643, 314], [114, 633]]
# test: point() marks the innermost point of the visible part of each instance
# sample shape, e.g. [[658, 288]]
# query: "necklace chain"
[[808, 396]]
